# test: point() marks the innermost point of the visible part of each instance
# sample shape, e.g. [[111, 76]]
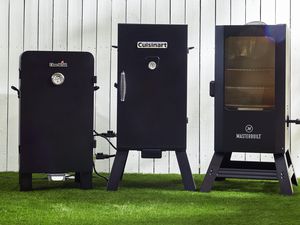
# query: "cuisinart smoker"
[[56, 115], [152, 95], [252, 104]]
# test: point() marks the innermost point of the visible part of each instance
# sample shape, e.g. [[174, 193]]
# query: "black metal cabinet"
[[251, 89], [252, 104], [152, 89], [152, 95], [56, 114]]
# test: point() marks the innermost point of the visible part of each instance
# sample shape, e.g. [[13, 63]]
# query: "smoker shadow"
[[156, 182], [251, 186]]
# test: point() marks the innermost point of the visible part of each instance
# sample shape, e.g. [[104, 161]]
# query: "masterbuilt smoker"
[[252, 104], [56, 115], [152, 96]]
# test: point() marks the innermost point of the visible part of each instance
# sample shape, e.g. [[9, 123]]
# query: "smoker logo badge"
[[249, 128], [60, 64], [248, 134], [152, 44]]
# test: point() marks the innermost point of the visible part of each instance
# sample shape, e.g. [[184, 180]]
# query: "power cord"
[[98, 174], [106, 136]]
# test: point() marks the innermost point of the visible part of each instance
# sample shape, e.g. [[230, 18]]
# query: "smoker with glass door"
[[252, 104], [152, 96], [56, 115]]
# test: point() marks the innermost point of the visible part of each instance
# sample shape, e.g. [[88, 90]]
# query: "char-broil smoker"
[[152, 95], [252, 103], [56, 115]]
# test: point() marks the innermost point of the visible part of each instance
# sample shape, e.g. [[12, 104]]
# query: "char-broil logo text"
[[248, 134], [59, 64], [152, 44]]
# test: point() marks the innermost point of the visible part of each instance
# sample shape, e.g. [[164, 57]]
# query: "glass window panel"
[[249, 73]]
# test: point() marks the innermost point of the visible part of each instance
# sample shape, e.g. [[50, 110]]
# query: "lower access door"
[[56, 114], [152, 87]]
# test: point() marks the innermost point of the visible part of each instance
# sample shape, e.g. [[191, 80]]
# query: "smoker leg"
[[290, 163], [286, 187], [77, 177], [212, 172], [225, 162], [25, 181], [117, 170], [185, 170], [294, 180], [86, 180]]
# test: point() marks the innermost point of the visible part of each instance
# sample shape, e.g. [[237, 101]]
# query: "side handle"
[[212, 89], [17, 90], [122, 86]]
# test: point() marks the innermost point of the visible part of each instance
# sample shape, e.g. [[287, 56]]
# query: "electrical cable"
[[98, 174], [106, 138], [111, 144]]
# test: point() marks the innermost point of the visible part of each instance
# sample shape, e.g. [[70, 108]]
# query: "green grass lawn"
[[147, 199]]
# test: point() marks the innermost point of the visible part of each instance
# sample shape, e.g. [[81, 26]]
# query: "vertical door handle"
[[123, 86]]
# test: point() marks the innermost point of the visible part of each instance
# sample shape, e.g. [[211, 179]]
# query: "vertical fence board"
[[118, 16], [283, 12], [193, 101], [45, 25], [4, 50], [74, 25], [60, 22], [103, 73], [31, 25], [16, 48], [238, 14], [207, 60], [295, 82]]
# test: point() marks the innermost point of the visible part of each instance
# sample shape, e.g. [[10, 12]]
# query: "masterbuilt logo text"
[[248, 134]]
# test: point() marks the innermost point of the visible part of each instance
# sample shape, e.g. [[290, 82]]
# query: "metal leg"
[[86, 180], [117, 170], [25, 181], [294, 180], [290, 163], [185, 170], [212, 172], [286, 187], [225, 162]]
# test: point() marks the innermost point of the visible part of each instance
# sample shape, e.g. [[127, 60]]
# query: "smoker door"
[[250, 88], [56, 112], [152, 87]]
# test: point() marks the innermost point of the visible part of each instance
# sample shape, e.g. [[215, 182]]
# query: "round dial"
[[152, 65], [58, 78]]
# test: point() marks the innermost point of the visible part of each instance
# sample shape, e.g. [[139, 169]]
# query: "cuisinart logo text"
[[60, 64], [152, 44], [248, 134]]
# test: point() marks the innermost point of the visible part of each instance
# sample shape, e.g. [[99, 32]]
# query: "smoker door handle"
[[122, 86], [212, 89]]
